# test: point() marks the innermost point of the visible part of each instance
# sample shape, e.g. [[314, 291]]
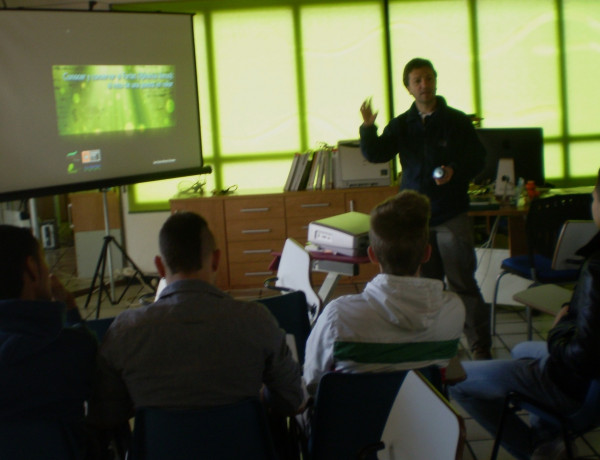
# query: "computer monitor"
[[524, 145]]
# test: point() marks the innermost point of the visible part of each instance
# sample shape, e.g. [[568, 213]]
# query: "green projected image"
[[113, 98]]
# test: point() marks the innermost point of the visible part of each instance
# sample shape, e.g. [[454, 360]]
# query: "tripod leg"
[[138, 271], [96, 273], [99, 275]]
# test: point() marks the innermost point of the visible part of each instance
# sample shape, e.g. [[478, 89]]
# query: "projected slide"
[[113, 98]]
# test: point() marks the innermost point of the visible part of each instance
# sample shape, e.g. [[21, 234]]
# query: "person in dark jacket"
[[433, 137], [46, 367], [557, 372]]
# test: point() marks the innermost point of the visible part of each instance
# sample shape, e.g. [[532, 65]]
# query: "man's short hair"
[[16, 245], [399, 232], [185, 241], [416, 63]]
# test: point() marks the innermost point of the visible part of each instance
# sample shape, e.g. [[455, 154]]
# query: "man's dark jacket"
[[46, 368], [574, 343], [447, 137]]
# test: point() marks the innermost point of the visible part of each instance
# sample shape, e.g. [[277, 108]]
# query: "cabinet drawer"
[[315, 205], [256, 229], [251, 274], [254, 251], [297, 228], [254, 208]]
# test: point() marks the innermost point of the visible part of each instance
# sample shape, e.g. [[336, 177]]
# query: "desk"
[[547, 298], [516, 215], [336, 266]]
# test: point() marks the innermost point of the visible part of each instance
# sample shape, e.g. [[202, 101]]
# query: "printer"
[[346, 234]]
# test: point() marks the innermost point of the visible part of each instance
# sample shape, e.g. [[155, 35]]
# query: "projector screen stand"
[[105, 257]]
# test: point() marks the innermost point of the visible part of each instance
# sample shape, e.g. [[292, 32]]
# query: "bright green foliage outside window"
[[584, 159], [438, 31], [256, 81], [519, 61], [342, 55], [582, 31]]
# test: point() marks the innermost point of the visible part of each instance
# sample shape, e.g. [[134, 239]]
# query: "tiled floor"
[[511, 329]]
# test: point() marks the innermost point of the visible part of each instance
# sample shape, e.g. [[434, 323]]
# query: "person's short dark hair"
[[399, 232], [185, 241], [597, 187], [16, 245], [416, 63]]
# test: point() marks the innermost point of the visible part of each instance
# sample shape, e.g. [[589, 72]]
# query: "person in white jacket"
[[400, 320]]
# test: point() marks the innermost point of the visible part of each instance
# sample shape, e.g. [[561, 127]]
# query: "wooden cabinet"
[[248, 228], [255, 228], [301, 208]]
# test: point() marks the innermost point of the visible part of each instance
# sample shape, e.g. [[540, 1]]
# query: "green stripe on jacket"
[[367, 352]]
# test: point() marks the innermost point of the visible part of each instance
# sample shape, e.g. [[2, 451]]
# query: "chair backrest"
[[546, 217], [294, 273], [237, 430], [422, 424], [589, 415], [99, 326], [573, 235], [350, 413], [47, 439], [292, 315]]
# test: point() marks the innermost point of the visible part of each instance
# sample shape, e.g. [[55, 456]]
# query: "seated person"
[[195, 346], [46, 366], [400, 320], [556, 373]]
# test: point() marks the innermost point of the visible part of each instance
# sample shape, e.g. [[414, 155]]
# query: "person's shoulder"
[[343, 303], [453, 303], [80, 338]]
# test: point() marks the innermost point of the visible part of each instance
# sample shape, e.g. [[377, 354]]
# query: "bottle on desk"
[[532, 191]]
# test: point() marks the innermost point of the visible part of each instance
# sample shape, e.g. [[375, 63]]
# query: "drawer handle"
[[254, 209], [258, 251], [258, 230], [314, 205], [258, 273]]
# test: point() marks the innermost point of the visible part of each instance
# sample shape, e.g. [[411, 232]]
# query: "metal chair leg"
[[494, 303]]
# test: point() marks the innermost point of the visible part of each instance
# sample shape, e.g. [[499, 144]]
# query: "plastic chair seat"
[[572, 425], [544, 273]]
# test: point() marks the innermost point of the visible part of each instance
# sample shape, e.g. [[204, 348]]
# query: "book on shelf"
[[290, 179], [310, 185], [319, 183], [299, 171], [328, 171], [305, 173]]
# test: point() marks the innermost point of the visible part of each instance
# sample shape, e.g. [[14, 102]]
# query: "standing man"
[[428, 136]]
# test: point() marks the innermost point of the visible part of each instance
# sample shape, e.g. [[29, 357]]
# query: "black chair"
[[545, 219], [41, 439], [571, 426], [350, 413], [291, 313], [99, 326], [228, 432]]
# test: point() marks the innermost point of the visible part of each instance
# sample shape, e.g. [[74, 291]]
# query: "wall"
[[141, 234]]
